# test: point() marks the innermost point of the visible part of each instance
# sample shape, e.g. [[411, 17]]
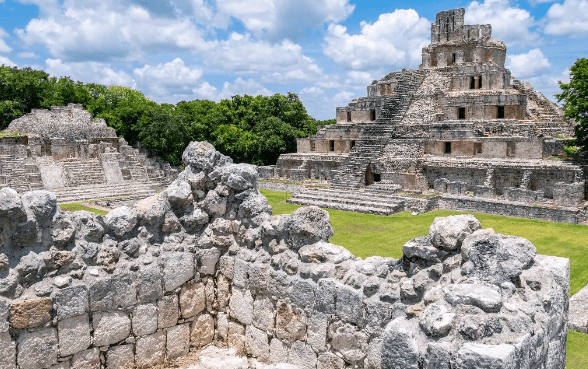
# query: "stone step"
[[91, 192], [362, 196], [357, 208], [363, 202]]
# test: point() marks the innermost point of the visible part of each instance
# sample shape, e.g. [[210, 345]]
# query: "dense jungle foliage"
[[575, 104], [249, 129]]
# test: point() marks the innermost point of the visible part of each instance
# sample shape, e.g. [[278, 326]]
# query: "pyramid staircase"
[[349, 200], [101, 191]]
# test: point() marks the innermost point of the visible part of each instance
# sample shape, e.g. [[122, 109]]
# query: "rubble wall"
[[205, 262]]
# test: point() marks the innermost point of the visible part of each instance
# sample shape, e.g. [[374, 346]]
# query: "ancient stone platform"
[[206, 262], [67, 151]]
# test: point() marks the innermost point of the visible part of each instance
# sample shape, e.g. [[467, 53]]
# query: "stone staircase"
[[356, 201], [82, 172], [135, 168], [374, 136], [92, 192]]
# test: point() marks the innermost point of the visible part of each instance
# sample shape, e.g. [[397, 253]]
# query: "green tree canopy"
[[575, 97]]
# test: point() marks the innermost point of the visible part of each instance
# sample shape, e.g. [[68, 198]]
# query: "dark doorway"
[[352, 144], [500, 112], [461, 113], [377, 177], [477, 148], [369, 176], [331, 145], [372, 115], [448, 147], [510, 148], [349, 116], [472, 83], [453, 59]]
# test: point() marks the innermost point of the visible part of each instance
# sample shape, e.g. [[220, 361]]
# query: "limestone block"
[[475, 355], [328, 360], [7, 351], [62, 365], [223, 292], [37, 349], [438, 356], [325, 296], [101, 294], [203, 330], [207, 260], [42, 203], [4, 315], [192, 299], [10, 203], [89, 359], [236, 337], [302, 356], [317, 331], [256, 341], [349, 305], [178, 268], [302, 293], [149, 286], [307, 225], [378, 314], [71, 301], [399, 346], [373, 359], [436, 320], [290, 322], [125, 290], [240, 273], [178, 340], [144, 319], [241, 306], [120, 357], [30, 313], [211, 304], [110, 328], [214, 204], [478, 295], [349, 341], [449, 232], [121, 220], [226, 266], [259, 275], [422, 248], [179, 194], [263, 314], [167, 311], [222, 330], [278, 352], [150, 349], [73, 334]]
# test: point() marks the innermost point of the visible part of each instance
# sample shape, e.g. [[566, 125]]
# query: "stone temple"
[[460, 128], [77, 157]]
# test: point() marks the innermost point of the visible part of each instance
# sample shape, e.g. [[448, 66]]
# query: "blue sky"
[[326, 51]]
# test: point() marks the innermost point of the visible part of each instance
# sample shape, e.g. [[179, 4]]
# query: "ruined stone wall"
[[205, 261]]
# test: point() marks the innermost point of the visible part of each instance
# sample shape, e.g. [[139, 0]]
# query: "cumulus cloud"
[[528, 64], [285, 18], [28, 55], [108, 30], [509, 24], [7, 62], [284, 62], [394, 40], [569, 19], [89, 72], [239, 87], [169, 78], [4, 48]]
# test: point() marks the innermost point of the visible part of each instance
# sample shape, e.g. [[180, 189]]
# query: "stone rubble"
[[205, 262]]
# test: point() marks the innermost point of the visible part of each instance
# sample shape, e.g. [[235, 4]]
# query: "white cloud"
[[169, 78], [509, 24], [7, 62], [569, 18], [285, 18], [528, 64], [343, 98], [312, 90], [394, 40], [4, 48], [238, 87], [283, 62], [89, 72], [28, 55], [93, 30], [356, 78]]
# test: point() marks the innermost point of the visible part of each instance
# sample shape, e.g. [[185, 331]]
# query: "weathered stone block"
[[149, 286], [328, 360], [475, 355], [74, 335], [7, 351], [211, 304], [144, 319], [207, 260], [257, 342], [178, 340], [150, 349], [223, 292], [302, 293], [192, 299], [240, 273], [263, 314], [278, 352], [178, 268], [349, 305], [110, 328], [302, 356], [399, 346], [226, 266], [71, 301], [349, 341], [125, 290], [202, 330], [222, 327], [290, 322], [120, 357], [37, 349], [325, 296], [89, 359], [167, 311], [30, 313], [236, 337], [317, 331], [438, 356], [241, 306], [4, 315]]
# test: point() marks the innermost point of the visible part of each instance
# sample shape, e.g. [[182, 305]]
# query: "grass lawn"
[[76, 206], [366, 235]]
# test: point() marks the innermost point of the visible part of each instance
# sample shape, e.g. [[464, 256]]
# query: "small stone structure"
[[461, 119], [205, 261], [67, 151]]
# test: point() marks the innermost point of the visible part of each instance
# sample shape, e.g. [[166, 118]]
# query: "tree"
[[575, 97]]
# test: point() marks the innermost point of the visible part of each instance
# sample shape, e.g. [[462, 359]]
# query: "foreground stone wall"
[[205, 262]]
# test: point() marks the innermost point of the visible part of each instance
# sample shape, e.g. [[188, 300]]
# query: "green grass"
[[367, 235], [76, 206], [13, 134]]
